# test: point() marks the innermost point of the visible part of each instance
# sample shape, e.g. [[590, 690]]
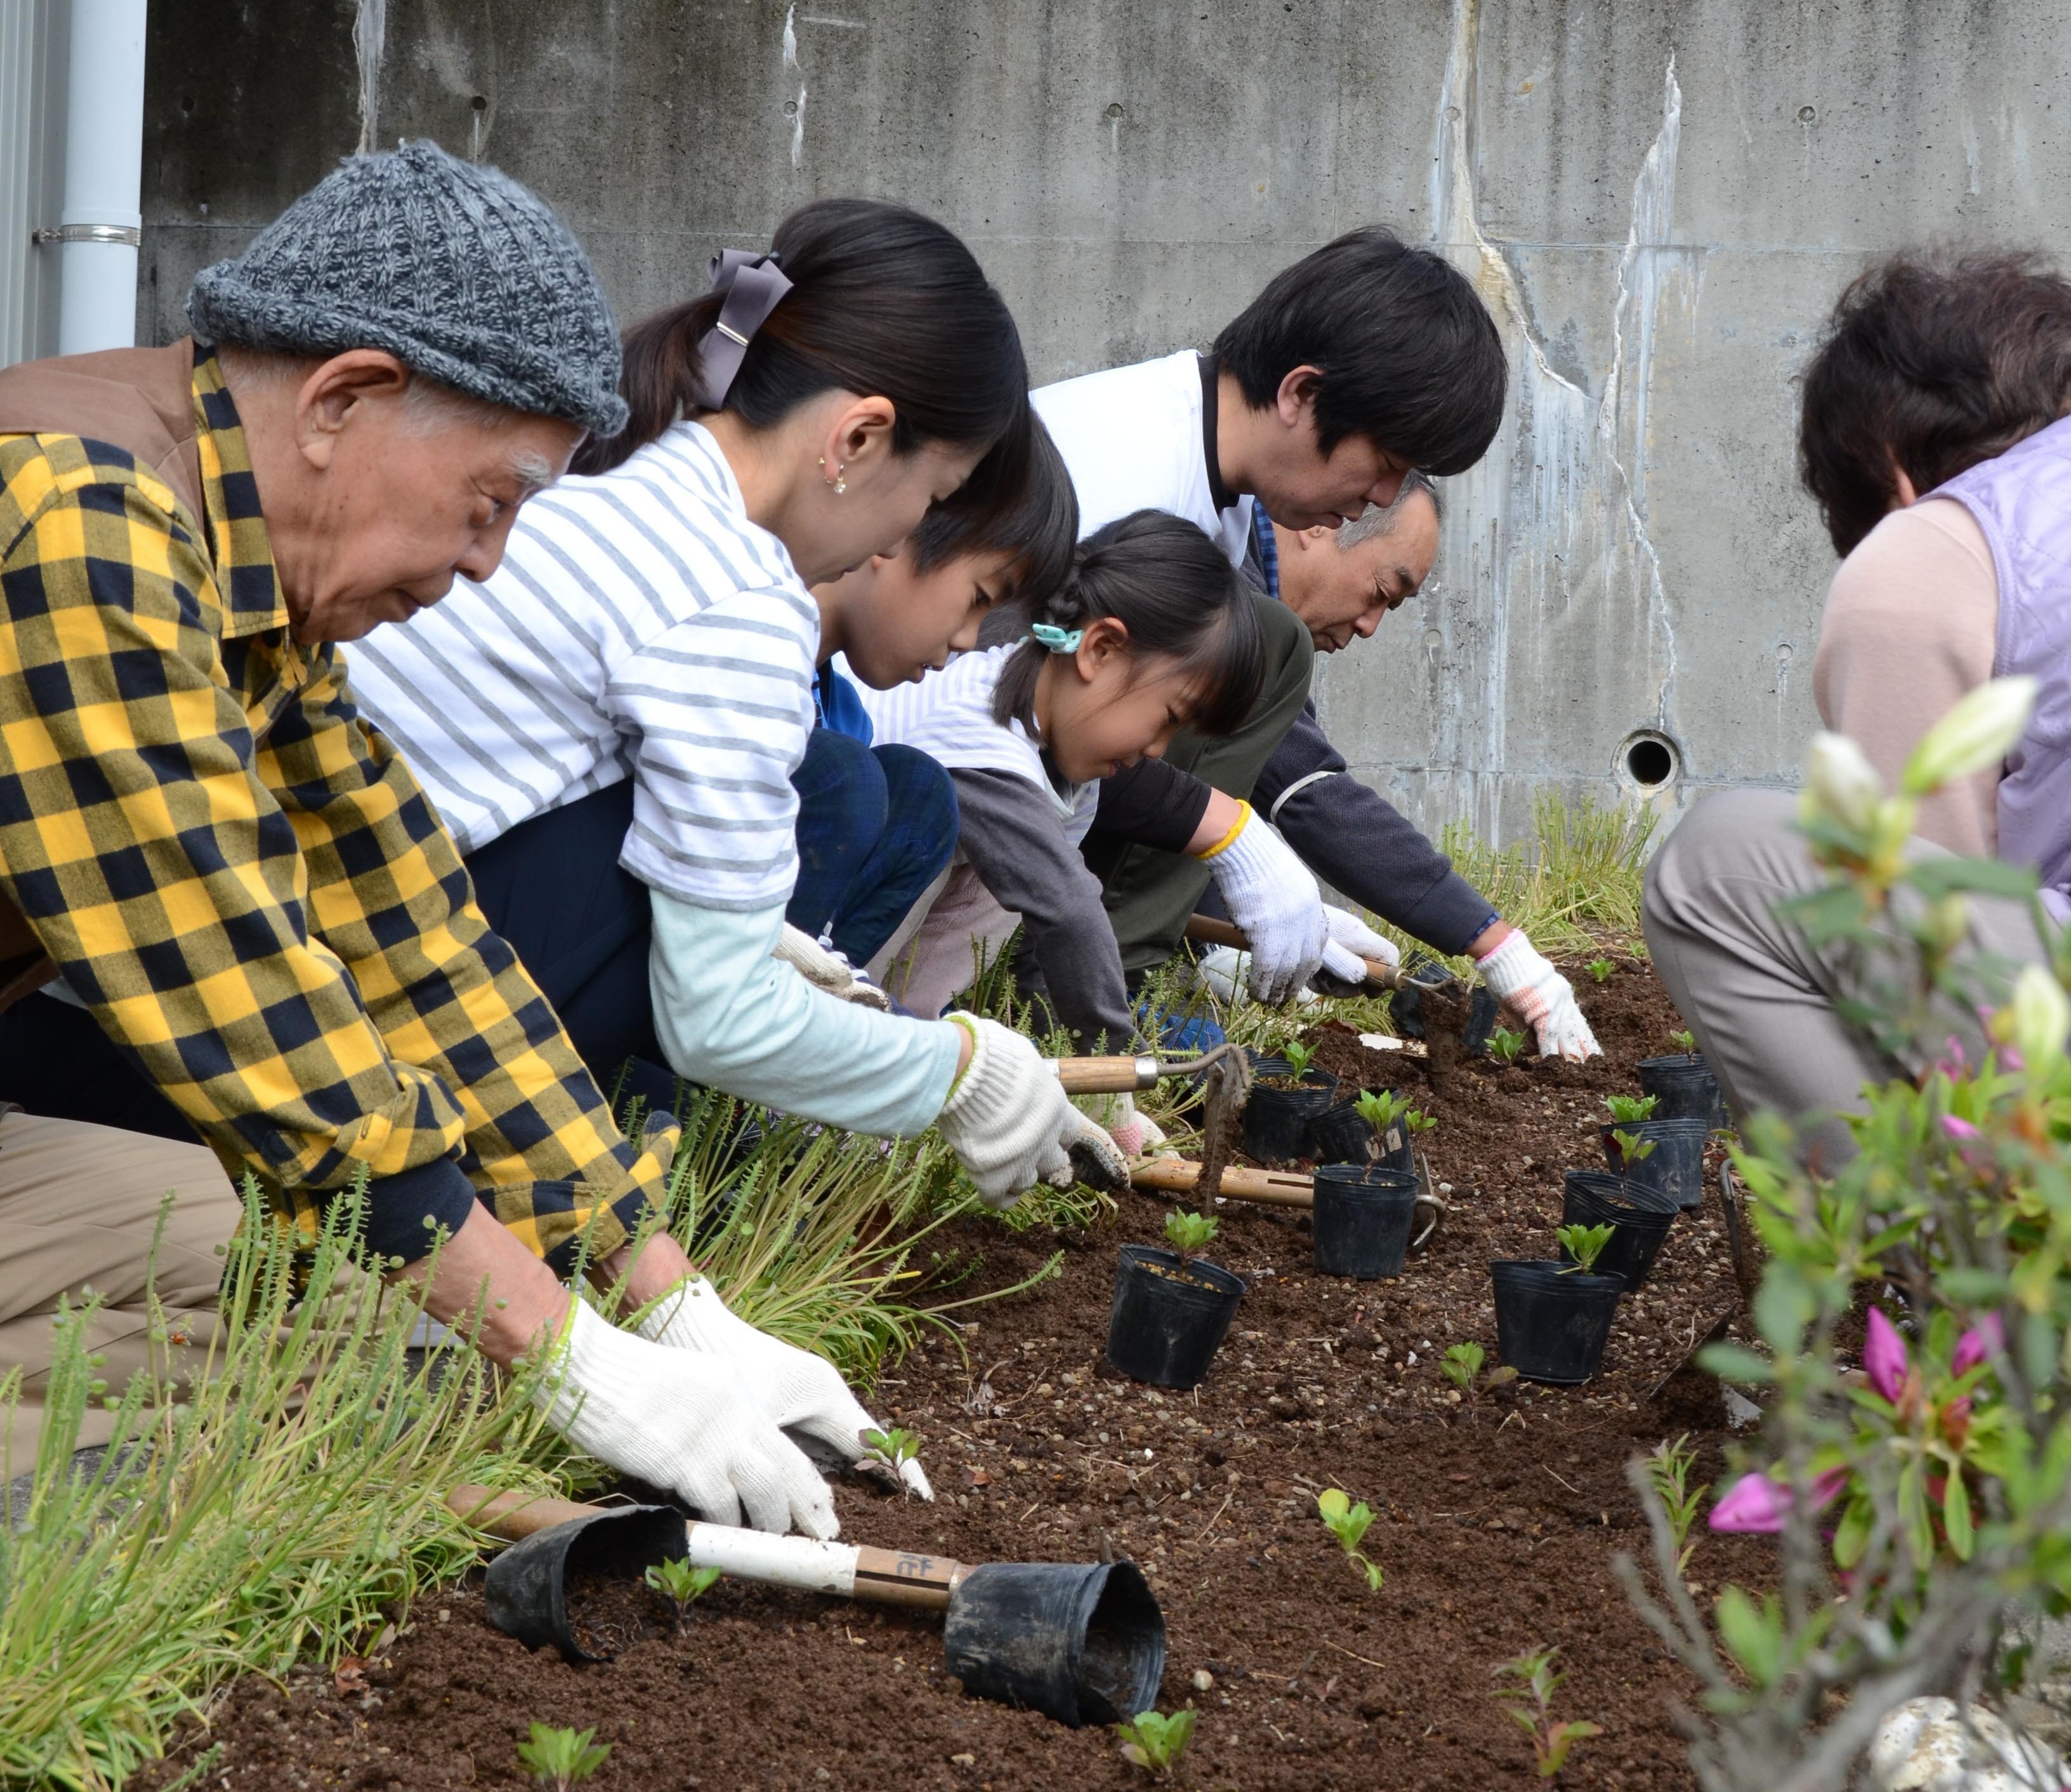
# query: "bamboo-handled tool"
[[1082, 1642], [1209, 930], [1269, 1187], [1121, 1076]]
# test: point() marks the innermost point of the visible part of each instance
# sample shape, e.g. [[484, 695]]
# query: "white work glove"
[[1273, 896], [827, 970], [684, 1423], [795, 1390], [1223, 968], [1540, 996], [1138, 1134], [1009, 1121], [1352, 941]]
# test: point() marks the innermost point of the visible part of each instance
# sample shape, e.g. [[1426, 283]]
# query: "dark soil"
[[1496, 1524]]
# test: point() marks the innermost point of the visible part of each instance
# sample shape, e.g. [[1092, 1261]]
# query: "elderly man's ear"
[[327, 399]]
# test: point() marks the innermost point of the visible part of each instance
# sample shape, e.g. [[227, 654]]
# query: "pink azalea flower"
[[1756, 1504], [1987, 1338], [1885, 1356], [1959, 1129]]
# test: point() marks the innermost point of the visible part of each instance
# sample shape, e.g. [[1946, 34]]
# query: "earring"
[[839, 483]]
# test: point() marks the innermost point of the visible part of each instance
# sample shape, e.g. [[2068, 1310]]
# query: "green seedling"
[[560, 1758], [1189, 1234], [1299, 1058], [1504, 1045], [1668, 1469], [1525, 1689], [893, 1449], [1348, 1523], [1601, 969], [1632, 1148], [1461, 1365], [1684, 1042], [1380, 1109], [1631, 1110], [1416, 1120], [681, 1585], [1585, 1244], [1156, 1744]]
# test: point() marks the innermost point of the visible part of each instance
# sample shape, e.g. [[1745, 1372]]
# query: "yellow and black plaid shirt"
[[245, 884]]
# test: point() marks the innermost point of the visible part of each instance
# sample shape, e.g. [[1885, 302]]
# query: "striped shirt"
[[640, 622]]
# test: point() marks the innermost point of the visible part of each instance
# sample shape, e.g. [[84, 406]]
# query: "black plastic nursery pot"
[[1641, 1216], [1276, 1121], [526, 1588], [1083, 1643], [1676, 1163], [1168, 1320], [1363, 1218], [1341, 1135], [1405, 1011], [1552, 1327], [1684, 1089]]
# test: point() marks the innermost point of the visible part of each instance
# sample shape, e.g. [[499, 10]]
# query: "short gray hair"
[[1380, 519]]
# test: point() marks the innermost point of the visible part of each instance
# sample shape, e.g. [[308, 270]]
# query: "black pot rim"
[[1686, 1065], [1220, 1284], [1682, 1123], [1368, 1178], [1549, 1271]]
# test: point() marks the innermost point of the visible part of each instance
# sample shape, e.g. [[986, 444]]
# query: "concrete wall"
[[1658, 199]]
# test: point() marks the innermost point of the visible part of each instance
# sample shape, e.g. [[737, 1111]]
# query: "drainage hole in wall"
[[1650, 759]]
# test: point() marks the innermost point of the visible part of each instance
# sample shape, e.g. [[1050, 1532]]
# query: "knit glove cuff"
[[1532, 989]]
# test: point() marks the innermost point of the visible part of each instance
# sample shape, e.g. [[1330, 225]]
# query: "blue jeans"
[[876, 825]]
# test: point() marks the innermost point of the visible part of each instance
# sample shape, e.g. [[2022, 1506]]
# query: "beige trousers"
[[79, 1210], [933, 955]]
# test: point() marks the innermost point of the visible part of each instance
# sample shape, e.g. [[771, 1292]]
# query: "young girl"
[[1152, 631]]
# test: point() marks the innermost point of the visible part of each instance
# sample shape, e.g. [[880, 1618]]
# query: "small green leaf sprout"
[[1504, 1045], [1417, 1121], [681, 1585], [1299, 1057], [1632, 1148], [1525, 1688], [1189, 1234], [1380, 1109], [1668, 1469], [1601, 969], [893, 1448], [1348, 1523], [1156, 1744], [1629, 1110], [1461, 1365], [1585, 1244], [560, 1758], [1685, 1043]]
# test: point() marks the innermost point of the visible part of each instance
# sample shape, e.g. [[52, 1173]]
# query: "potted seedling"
[[1156, 1744], [681, 1585], [1461, 1365], [562, 1758], [1525, 1687], [1347, 1132], [1640, 1218], [1601, 969], [1667, 1154], [1684, 1083], [1286, 1094], [1172, 1308], [1395, 1124], [1363, 1215], [1552, 1318], [1504, 1044], [1348, 1524]]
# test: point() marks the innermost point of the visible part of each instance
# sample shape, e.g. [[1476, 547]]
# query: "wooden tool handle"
[[1207, 930], [515, 1516], [1105, 1076], [1177, 1176]]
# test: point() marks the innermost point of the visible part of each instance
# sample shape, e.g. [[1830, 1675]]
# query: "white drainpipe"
[[103, 219]]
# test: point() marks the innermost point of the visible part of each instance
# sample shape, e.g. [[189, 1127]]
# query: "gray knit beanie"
[[461, 273]]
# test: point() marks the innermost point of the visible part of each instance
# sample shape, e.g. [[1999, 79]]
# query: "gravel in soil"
[[1495, 1523]]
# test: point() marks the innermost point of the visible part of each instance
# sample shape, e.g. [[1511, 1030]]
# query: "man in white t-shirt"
[[1364, 361]]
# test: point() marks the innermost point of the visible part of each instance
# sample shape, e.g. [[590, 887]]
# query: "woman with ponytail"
[[610, 724], [1152, 631]]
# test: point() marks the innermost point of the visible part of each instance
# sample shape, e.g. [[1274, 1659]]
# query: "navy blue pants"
[[876, 825]]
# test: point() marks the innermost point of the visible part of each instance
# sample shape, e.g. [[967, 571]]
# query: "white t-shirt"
[[639, 622], [1131, 437], [948, 715]]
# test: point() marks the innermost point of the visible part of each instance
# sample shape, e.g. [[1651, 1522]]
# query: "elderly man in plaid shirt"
[[251, 923]]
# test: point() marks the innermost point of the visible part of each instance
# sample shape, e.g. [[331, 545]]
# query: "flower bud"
[[1945, 924], [1840, 783], [2041, 1016], [1977, 733]]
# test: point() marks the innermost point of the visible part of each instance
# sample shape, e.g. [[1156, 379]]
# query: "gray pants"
[[1759, 998]]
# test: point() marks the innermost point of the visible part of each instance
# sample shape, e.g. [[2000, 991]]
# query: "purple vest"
[[2022, 502]]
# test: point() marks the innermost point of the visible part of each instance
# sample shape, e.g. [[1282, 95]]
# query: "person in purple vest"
[[1932, 436]]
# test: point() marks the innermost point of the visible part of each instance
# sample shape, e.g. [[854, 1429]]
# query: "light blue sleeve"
[[729, 1015]]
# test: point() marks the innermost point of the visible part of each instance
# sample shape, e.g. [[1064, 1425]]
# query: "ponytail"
[[1162, 579], [855, 295]]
